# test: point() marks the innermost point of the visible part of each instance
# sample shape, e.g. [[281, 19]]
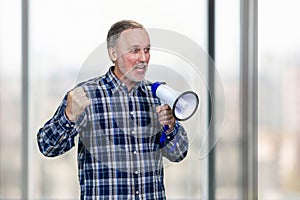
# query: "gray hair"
[[117, 28]]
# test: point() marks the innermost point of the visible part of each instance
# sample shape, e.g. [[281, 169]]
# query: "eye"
[[135, 50], [147, 50]]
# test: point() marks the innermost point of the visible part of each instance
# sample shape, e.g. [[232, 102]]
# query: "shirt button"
[[132, 132], [134, 152], [136, 192], [168, 137], [67, 125], [136, 172]]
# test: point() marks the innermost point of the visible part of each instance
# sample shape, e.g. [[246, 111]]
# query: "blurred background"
[[62, 34]]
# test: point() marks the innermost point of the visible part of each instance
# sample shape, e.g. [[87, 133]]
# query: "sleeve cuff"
[[171, 135], [65, 123], [165, 138]]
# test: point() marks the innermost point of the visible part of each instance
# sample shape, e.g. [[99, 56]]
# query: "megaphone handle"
[[166, 127], [163, 136]]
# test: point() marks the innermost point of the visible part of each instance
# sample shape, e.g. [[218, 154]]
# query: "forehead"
[[134, 37]]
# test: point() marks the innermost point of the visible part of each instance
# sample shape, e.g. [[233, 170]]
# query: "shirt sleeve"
[[175, 146], [58, 134]]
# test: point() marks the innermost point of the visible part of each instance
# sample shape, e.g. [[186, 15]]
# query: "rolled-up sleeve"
[[176, 144]]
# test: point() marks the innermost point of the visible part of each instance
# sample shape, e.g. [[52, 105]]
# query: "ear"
[[112, 54]]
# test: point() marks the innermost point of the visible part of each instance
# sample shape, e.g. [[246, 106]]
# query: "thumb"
[[158, 109]]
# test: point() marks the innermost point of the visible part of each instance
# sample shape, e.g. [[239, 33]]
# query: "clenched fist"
[[77, 101]]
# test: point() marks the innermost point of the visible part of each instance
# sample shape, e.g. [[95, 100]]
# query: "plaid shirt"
[[119, 148]]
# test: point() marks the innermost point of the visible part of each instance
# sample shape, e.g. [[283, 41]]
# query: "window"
[[279, 100], [10, 100], [227, 59]]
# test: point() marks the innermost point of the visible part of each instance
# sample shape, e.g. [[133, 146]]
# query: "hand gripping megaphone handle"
[[165, 127], [153, 89], [183, 104]]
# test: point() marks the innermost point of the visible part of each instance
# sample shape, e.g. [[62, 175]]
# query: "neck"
[[129, 84]]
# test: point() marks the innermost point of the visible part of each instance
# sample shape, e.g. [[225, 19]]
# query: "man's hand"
[[77, 101], [165, 116]]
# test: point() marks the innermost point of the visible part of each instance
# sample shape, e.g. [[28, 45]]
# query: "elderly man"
[[119, 121]]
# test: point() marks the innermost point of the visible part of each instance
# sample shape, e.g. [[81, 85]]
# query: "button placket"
[[131, 115], [134, 150]]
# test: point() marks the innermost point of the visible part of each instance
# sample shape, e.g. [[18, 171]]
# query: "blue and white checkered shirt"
[[119, 149]]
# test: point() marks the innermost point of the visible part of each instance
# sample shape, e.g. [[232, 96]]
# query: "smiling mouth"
[[141, 66]]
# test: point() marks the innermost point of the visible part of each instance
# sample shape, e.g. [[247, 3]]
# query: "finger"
[[85, 102], [166, 121], [78, 89], [88, 102], [158, 109], [166, 115], [80, 92], [76, 99], [75, 92], [165, 107], [166, 112]]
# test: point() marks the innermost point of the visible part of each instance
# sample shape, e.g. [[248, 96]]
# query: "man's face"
[[132, 55]]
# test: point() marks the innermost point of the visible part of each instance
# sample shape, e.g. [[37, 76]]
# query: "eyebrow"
[[135, 46]]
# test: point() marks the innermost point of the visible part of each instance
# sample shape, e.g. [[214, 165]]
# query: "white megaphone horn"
[[183, 105]]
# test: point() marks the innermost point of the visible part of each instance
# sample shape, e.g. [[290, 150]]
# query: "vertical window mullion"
[[211, 99], [249, 112], [24, 101]]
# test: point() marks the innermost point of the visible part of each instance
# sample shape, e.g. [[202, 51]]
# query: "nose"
[[142, 56]]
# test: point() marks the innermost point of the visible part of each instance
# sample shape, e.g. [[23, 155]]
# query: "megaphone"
[[183, 105]]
